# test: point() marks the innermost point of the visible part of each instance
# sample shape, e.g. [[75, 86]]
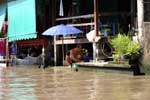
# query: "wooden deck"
[[105, 65]]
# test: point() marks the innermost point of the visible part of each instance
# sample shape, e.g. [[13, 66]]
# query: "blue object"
[[61, 30], [13, 49], [86, 58], [75, 66]]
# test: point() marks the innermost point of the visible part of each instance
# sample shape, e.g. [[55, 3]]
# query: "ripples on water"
[[61, 83]]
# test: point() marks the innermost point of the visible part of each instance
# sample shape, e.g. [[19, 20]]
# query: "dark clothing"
[[86, 58], [14, 49]]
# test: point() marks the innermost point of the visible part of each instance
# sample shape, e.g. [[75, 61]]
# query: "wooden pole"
[[132, 13], [96, 13], [53, 10], [63, 50], [53, 23], [140, 18], [55, 55], [7, 53], [43, 54]]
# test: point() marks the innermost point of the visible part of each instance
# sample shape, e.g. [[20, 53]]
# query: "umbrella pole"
[[55, 51], [94, 51], [63, 49]]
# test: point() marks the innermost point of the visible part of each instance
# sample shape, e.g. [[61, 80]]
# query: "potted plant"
[[124, 46], [133, 49], [120, 44], [135, 57]]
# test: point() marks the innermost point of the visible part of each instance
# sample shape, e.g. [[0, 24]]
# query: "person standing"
[[13, 53]]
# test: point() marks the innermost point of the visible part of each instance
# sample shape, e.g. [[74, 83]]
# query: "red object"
[[3, 46], [5, 27], [40, 41]]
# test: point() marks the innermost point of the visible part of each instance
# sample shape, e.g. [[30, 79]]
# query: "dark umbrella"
[[61, 30]]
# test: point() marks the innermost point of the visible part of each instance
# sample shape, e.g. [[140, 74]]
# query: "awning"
[[21, 20], [35, 42], [2, 13]]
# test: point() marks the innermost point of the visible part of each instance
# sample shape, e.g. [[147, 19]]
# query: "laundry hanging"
[[61, 10]]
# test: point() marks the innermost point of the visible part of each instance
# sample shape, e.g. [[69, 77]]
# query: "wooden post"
[[55, 55], [140, 18], [7, 53], [96, 15], [43, 15], [53, 23], [53, 10], [132, 12], [63, 55], [43, 54]]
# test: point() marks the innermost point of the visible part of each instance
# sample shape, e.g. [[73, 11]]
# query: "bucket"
[[75, 66]]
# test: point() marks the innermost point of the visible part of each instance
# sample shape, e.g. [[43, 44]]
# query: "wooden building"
[[113, 16], [146, 36]]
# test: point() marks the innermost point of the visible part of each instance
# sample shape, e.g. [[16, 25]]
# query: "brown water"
[[31, 83]]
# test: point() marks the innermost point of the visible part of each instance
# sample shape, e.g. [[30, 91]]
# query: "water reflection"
[[31, 83]]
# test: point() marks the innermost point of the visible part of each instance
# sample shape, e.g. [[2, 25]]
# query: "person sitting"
[[75, 55], [86, 57]]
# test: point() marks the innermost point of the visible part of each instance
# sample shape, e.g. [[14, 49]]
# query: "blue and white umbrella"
[[62, 30]]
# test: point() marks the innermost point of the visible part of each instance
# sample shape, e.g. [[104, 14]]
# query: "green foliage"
[[124, 45], [133, 48], [120, 43], [115, 56]]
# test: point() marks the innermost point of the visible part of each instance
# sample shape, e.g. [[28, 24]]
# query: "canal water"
[[61, 83]]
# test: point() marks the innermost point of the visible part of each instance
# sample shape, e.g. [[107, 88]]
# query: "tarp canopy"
[[2, 13], [21, 20], [36, 42]]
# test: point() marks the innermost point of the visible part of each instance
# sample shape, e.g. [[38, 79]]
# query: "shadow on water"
[[62, 83]]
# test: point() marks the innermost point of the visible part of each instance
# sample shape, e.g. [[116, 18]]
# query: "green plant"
[[120, 43], [124, 45], [116, 57], [133, 48]]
